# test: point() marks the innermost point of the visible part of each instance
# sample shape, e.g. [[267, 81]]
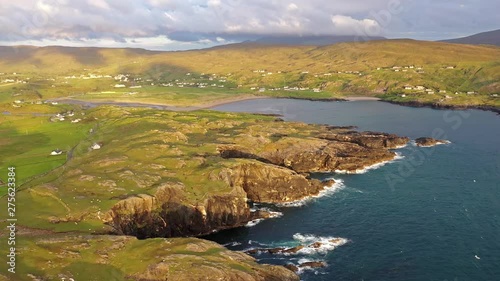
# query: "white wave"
[[254, 222], [437, 143], [272, 214], [327, 191], [400, 146], [232, 244], [307, 268], [326, 244], [365, 170]]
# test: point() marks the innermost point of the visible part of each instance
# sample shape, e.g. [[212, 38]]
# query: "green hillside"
[[449, 74]]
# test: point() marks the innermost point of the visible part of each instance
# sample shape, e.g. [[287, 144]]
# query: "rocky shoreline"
[[437, 105]]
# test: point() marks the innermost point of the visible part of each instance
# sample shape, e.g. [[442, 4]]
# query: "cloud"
[[201, 20], [346, 25]]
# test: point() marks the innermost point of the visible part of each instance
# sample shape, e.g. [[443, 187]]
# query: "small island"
[[429, 142]]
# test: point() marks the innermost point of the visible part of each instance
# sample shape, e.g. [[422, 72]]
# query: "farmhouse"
[[56, 152]]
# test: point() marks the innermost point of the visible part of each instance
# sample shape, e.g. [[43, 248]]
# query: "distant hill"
[[484, 38], [312, 40], [356, 68]]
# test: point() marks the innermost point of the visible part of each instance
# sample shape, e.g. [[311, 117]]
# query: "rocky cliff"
[[167, 214]]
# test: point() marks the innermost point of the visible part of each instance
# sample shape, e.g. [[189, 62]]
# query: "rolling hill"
[[314, 40], [484, 38], [320, 72]]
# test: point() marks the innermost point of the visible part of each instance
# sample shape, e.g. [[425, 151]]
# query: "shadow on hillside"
[[160, 71], [85, 56]]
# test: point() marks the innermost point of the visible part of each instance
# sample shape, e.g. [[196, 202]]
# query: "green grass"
[[27, 142]]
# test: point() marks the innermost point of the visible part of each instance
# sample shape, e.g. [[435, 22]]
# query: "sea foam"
[[365, 170], [327, 191], [327, 243]]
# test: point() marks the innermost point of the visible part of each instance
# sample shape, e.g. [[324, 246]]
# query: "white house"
[[56, 152], [96, 146]]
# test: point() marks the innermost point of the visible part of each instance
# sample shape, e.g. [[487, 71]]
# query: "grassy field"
[[28, 140]]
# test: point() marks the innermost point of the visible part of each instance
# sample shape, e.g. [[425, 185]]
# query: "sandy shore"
[[362, 99], [231, 100], [166, 106], [207, 105]]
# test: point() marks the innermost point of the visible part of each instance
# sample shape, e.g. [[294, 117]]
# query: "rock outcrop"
[[428, 142], [267, 183], [321, 154], [369, 139], [166, 215]]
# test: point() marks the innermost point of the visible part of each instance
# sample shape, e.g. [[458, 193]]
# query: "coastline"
[[355, 98], [230, 100], [439, 106]]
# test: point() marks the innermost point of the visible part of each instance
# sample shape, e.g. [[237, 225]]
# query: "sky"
[[193, 24]]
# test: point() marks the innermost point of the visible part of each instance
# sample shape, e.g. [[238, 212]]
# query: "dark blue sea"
[[434, 214]]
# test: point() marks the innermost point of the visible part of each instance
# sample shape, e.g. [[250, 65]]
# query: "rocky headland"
[[190, 174]]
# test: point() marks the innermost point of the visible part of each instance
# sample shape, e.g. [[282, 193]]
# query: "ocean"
[[432, 214]]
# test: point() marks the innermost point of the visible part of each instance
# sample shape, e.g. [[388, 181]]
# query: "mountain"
[[314, 40], [484, 38]]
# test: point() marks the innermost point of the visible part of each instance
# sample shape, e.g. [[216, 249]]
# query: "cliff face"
[[266, 183], [166, 215]]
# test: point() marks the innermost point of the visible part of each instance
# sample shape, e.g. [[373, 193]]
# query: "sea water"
[[432, 214]]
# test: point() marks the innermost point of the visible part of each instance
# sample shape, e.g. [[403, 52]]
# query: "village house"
[[56, 152]]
